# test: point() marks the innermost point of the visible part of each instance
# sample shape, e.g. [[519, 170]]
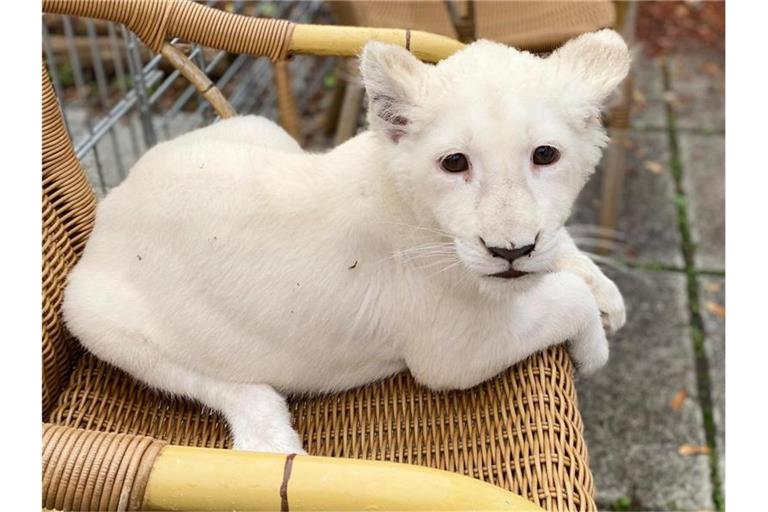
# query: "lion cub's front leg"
[[609, 299]]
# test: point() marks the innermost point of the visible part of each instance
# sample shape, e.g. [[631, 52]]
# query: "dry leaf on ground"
[[678, 400], [654, 167], [715, 309], [713, 287], [711, 69], [686, 450]]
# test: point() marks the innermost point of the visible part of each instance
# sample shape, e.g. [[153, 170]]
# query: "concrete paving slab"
[[703, 159], [632, 428], [648, 106], [698, 91], [712, 296], [647, 218]]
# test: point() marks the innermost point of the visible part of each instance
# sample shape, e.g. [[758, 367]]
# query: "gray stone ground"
[[636, 419], [633, 430]]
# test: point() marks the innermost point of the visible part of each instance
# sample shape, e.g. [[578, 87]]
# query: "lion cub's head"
[[493, 144]]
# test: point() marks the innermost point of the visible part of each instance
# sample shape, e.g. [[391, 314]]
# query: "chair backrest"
[[68, 213], [532, 25]]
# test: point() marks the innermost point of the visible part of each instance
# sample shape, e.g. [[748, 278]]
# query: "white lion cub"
[[232, 267]]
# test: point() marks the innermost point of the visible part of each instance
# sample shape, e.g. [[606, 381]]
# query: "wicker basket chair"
[[110, 442]]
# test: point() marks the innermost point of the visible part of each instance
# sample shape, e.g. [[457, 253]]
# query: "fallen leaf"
[[638, 96], [681, 11], [686, 450], [713, 287], [715, 309], [669, 97], [711, 69], [654, 167], [678, 400]]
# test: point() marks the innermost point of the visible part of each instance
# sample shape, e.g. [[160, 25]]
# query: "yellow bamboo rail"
[[185, 478], [332, 40]]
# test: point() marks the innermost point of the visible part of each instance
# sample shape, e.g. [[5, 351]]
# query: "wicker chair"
[[112, 443]]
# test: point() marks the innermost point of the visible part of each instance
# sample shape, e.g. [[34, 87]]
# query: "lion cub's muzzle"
[[510, 255]]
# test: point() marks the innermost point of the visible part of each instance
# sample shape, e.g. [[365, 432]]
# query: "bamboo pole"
[[201, 82], [185, 478], [349, 41]]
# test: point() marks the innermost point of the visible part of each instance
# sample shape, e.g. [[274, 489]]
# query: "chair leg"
[[351, 105], [615, 158], [613, 179], [615, 163], [286, 102]]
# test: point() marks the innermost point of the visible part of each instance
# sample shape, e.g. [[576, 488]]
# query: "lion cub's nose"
[[511, 254]]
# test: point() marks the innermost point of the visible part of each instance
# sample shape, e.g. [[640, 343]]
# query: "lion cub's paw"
[[611, 305]]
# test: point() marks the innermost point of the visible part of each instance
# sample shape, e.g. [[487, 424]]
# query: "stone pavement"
[[655, 416]]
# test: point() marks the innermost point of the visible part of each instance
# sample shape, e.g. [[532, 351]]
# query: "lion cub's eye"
[[457, 162], [545, 155]]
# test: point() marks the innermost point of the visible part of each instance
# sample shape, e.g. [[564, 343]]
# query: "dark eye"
[[457, 162], [545, 155]]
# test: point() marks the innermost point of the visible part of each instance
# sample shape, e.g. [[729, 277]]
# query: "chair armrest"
[[88, 470], [158, 20]]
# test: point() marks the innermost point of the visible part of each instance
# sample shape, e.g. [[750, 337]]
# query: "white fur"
[[231, 266]]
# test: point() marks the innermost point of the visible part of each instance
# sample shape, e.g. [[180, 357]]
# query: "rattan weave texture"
[[541, 25], [521, 431], [68, 210], [88, 470], [533, 25]]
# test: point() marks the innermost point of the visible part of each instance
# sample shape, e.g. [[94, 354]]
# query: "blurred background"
[[653, 215]]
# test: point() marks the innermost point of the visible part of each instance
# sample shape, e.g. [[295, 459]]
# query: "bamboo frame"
[[185, 478], [158, 20], [199, 79], [339, 41], [286, 102]]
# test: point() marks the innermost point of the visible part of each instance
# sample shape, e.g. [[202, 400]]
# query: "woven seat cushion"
[[532, 25], [521, 430]]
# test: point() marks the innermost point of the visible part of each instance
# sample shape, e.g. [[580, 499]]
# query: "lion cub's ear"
[[601, 59], [393, 79]]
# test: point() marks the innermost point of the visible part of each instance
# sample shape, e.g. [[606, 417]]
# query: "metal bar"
[[316, 78], [74, 58], [140, 86], [117, 112], [160, 89], [77, 73], [248, 79], [122, 82], [261, 90], [53, 71], [151, 76], [233, 68], [101, 83]]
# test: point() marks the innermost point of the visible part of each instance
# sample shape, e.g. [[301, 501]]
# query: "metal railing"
[[119, 99]]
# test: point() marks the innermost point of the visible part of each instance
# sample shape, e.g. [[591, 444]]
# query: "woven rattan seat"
[[502, 431], [521, 431]]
